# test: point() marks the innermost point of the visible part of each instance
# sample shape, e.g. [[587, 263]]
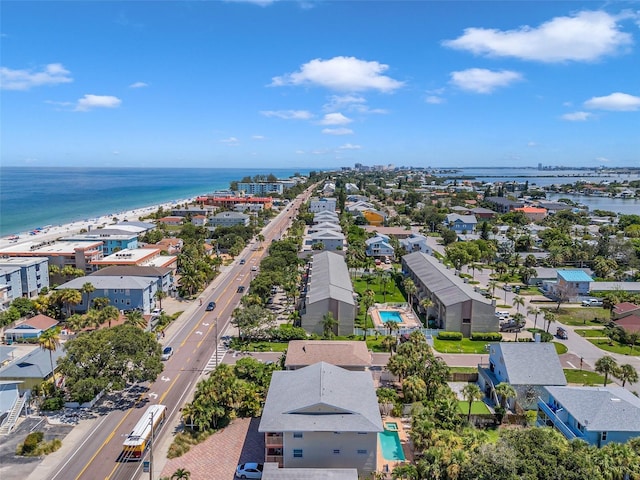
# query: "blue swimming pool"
[[390, 316], [391, 446]]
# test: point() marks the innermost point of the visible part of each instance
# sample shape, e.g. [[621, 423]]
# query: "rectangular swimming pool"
[[391, 446], [390, 316]]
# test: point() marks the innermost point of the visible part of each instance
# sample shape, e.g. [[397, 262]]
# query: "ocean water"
[[32, 197]]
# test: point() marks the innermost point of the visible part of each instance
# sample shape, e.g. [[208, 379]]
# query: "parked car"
[[562, 333], [506, 288], [254, 269], [211, 306], [249, 470], [166, 353], [157, 311], [502, 315], [592, 302]]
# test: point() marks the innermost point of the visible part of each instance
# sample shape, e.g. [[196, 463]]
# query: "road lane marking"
[[571, 365], [169, 389]]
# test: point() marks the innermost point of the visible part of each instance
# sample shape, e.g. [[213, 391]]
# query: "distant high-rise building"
[[540, 166]]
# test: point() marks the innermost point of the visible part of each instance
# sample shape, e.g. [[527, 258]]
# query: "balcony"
[[554, 416], [275, 458], [273, 440]]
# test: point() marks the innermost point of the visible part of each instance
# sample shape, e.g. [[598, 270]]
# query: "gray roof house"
[[329, 289], [229, 219], [456, 306], [527, 367], [321, 416], [597, 415], [31, 369], [329, 239]]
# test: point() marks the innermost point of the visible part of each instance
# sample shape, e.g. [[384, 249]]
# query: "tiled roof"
[[342, 353]]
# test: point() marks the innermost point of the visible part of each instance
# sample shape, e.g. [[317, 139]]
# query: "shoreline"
[[53, 232]]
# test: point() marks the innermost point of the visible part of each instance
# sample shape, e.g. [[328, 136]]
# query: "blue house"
[[461, 223], [379, 246], [574, 280], [596, 415]]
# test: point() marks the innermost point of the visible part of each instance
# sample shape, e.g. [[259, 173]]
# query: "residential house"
[[10, 285], [554, 207], [625, 309], [322, 416], [326, 217], [164, 276], [76, 254], [329, 188], [379, 246], [229, 201], [527, 366], [171, 221], [253, 208], [324, 226], [170, 245], [482, 213], [31, 369], [503, 204], [374, 217], [125, 292], [533, 214], [134, 227], [461, 223], [577, 281], [328, 239], [630, 323], [347, 354], [199, 220], [192, 211], [323, 204], [229, 219], [596, 415], [30, 328], [328, 289], [112, 239], [630, 287], [416, 243], [457, 307]]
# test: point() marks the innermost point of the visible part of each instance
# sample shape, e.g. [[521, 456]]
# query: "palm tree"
[[389, 343], [329, 324], [367, 302], [518, 302], [181, 474], [160, 294], [135, 318], [505, 391], [632, 339], [492, 285], [627, 373], [87, 289], [471, 392], [535, 312], [410, 289], [70, 297], [109, 314], [607, 366], [549, 317], [50, 340], [100, 302], [425, 303], [391, 326]]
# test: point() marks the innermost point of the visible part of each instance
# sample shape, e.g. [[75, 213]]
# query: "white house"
[[379, 246]]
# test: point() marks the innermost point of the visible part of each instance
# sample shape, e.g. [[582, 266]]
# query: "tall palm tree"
[[535, 312], [471, 392], [632, 339], [367, 302], [391, 326], [160, 294], [549, 317], [492, 286], [607, 366], [627, 373], [389, 343], [87, 289], [70, 298], [109, 314], [50, 340], [518, 302], [505, 391], [135, 318], [410, 289]]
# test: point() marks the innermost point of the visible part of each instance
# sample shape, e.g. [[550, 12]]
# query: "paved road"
[[195, 339]]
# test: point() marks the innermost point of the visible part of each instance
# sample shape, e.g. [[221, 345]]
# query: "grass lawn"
[[477, 407], [614, 347], [560, 348], [583, 377], [581, 316], [530, 291], [262, 347], [460, 346], [595, 333], [463, 369], [393, 293], [492, 433]]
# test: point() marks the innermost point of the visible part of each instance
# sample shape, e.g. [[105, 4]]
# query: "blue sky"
[[320, 84]]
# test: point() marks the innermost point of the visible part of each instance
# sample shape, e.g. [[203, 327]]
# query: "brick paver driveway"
[[218, 457]]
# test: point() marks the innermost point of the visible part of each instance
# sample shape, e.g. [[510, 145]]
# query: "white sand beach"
[[56, 231]]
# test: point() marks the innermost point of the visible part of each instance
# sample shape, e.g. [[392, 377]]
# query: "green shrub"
[[52, 404], [450, 336], [486, 336], [30, 443]]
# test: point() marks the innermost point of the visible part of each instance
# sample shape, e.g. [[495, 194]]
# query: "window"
[[297, 434], [336, 451], [297, 453], [603, 436], [362, 452], [466, 320]]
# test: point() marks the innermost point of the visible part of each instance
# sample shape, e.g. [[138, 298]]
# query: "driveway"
[[220, 454]]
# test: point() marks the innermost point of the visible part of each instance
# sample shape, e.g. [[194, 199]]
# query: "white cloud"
[[337, 131], [616, 101], [288, 114], [532, 144], [89, 102], [481, 80], [231, 141], [341, 73], [138, 85], [51, 74], [602, 159], [335, 119], [349, 146], [577, 116], [258, 137], [585, 36], [434, 99]]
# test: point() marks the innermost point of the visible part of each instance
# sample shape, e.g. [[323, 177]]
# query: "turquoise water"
[[390, 316], [391, 426], [32, 197], [391, 446]]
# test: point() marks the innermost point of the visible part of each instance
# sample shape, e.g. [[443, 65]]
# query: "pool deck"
[[409, 319], [387, 466]]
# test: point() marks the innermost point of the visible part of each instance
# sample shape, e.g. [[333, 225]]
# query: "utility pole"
[[151, 449], [216, 340]]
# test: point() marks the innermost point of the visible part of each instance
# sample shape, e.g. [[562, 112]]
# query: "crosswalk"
[[216, 358]]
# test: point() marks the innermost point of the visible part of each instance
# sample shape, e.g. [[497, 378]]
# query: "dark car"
[[211, 306], [240, 289], [243, 261]]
